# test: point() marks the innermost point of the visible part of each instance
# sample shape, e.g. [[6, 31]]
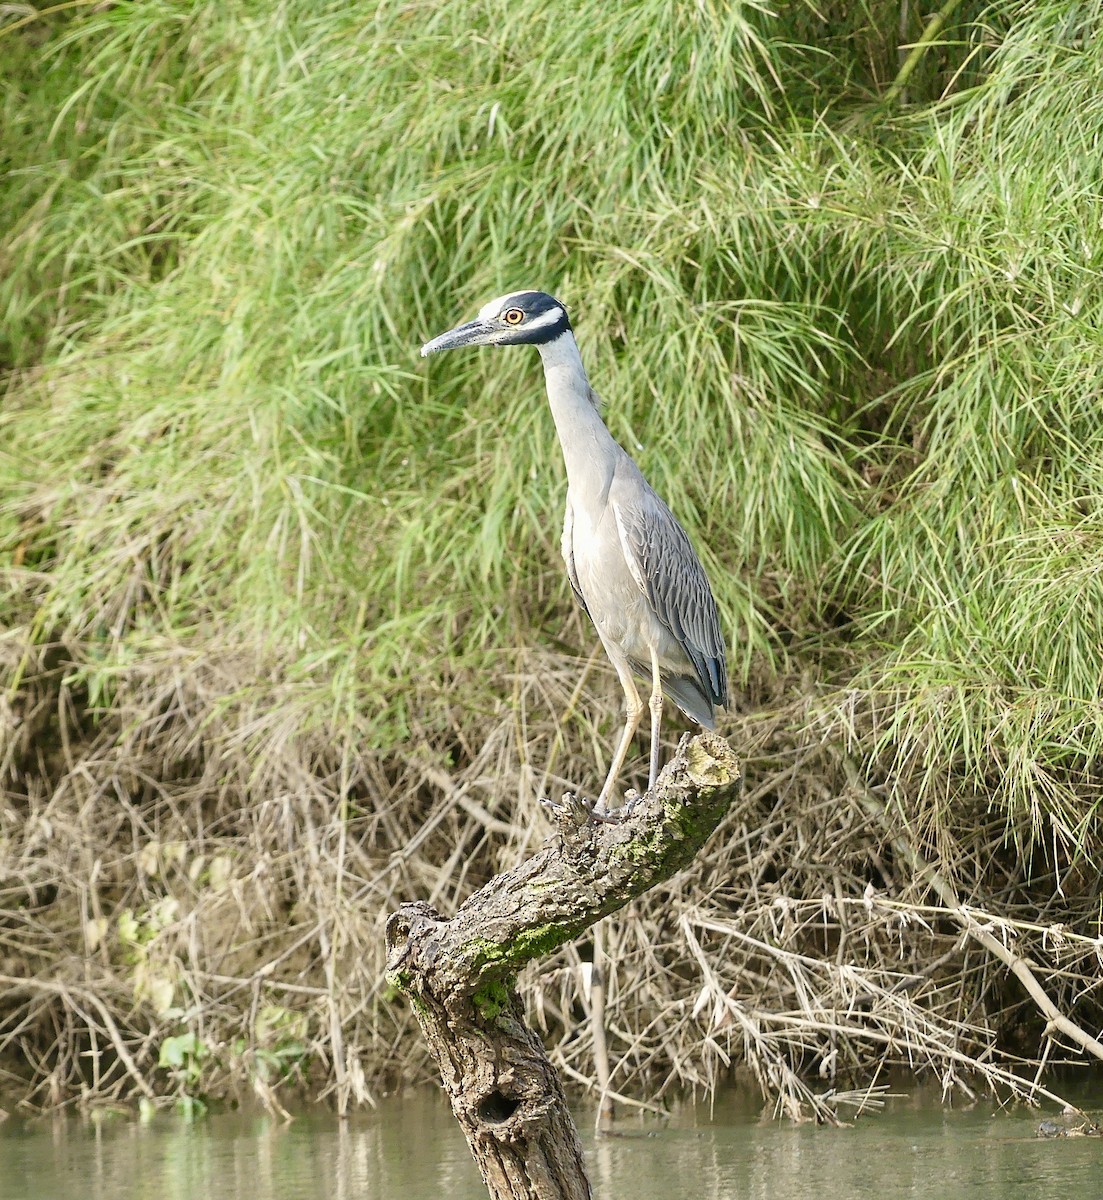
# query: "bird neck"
[[588, 447]]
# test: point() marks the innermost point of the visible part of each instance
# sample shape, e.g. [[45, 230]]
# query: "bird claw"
[[581, 810], [631, 799], [572, 809]]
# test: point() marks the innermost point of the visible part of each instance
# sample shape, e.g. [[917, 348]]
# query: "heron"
[[629, 561]]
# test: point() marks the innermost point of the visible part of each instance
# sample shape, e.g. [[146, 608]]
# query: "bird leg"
[[633, 713], [656, 706]]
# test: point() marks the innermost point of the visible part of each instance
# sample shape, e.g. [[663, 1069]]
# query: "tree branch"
[[459, 974]]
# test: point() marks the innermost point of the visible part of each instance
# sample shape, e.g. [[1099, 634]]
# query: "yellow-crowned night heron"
[[629, 561]]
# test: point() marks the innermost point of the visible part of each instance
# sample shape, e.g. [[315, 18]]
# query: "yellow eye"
[[513, 316]]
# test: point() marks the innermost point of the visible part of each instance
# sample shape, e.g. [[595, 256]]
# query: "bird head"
[[516, 319]]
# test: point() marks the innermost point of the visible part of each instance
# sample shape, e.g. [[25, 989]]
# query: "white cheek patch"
[[551, 317]]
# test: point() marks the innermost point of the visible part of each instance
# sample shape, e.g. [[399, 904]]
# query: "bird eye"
[[513, 316]]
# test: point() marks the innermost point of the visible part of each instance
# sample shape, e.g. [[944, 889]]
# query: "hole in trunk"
[[497, 1108]]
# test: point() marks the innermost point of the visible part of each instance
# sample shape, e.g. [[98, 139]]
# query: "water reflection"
[[412, 1149]]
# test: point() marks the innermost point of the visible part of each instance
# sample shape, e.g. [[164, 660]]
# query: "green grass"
[[861, 361]]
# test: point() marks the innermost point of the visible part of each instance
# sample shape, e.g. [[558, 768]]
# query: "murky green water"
[[411, 1149]]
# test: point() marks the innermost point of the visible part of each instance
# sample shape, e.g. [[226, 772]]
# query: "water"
[[411, 1149]]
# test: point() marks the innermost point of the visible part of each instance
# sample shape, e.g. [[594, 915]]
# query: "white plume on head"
[[494, 308]]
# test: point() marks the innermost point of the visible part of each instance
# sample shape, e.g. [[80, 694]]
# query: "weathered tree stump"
[[460, 974]]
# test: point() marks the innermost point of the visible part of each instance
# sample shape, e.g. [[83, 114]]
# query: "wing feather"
[[665, 565]]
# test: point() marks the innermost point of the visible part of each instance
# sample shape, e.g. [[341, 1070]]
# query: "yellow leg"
[[633, 713], [656, 706]]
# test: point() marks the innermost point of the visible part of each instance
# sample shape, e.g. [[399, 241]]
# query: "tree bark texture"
[[460, 974]]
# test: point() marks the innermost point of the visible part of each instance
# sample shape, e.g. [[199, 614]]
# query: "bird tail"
[[690, 697]]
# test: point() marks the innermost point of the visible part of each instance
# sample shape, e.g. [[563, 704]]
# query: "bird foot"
[[631, 799], [580, 810]]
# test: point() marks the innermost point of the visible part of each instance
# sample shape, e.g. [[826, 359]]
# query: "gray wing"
[[670, 574], [567, 548]]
